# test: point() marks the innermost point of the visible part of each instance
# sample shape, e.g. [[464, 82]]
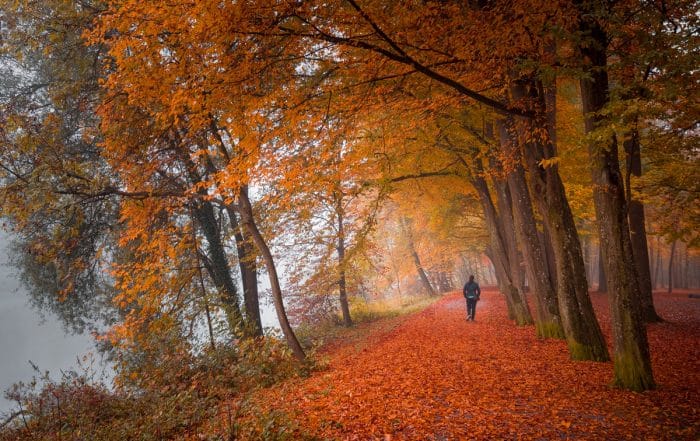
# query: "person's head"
[[471, 278]]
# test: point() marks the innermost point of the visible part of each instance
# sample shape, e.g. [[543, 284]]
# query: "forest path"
[[435, 376]]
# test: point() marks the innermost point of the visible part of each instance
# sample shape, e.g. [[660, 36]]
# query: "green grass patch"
[[363, 315]]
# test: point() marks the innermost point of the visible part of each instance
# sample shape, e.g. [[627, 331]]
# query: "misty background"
[[25, 336]]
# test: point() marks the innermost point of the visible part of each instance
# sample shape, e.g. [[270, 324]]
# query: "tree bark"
[[671, 259], [546, 240], [249, 274], [657, 264], [586, 250], [207, 311], [504, 203], [602, 280], [446, 279], [499, 255], [340, 248], [244, 249], [632, 364], [548, 320], [684, 274], [251, 227], [217, 263], [408, 232], [638, 231], [218, 267], [583, 334]]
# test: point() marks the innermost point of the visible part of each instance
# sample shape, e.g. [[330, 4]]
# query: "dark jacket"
[[471, 290]]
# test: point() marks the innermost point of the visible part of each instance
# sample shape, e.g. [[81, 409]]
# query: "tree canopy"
[[158, 158]]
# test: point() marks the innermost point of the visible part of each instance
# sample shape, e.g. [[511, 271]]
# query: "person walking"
[[471, 292]]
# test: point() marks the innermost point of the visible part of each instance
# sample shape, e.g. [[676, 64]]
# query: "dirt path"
[[437, 377]]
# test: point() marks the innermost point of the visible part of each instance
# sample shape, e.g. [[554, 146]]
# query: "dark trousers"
[[471, 308]]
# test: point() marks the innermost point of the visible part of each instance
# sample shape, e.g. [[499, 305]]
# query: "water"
[[25, 337]]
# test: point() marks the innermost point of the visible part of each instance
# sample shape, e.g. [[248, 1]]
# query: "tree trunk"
[[684, 278], [546, 241], [408, 232], [249, 275], [586, 250], [632, 364], [602, 280], [446, 281], [499, 256], [548, 320], [340, 248], [583, 334], [657, 264], [250, 226], [504, 203], [670, 266], [218, 266], [491, 271], [207, 311], [638, 230]]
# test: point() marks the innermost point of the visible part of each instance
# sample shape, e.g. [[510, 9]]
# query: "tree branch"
[[402, 57]]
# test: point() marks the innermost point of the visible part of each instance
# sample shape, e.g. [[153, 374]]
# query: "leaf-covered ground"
[[434, 376]]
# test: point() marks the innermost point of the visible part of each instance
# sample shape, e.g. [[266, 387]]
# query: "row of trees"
[[156, 153]]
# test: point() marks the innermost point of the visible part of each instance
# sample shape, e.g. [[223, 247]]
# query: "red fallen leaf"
[[432, 376]]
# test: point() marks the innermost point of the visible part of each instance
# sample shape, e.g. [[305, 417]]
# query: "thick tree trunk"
[[250, 226], [249, 275], [499, 256], [408, 232], [546, 240], [504, 203], [421, 273], [218, 266], [244, 248], [340, 248], [583, 334], [548, 320], [638, 230], [632, 362]]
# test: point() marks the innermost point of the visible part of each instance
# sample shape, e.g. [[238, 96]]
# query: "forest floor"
[[434, 376]]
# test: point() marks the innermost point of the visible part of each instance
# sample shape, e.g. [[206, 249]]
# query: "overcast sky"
[[24, 336]]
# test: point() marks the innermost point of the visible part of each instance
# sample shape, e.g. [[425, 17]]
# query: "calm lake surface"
[[24, 336]]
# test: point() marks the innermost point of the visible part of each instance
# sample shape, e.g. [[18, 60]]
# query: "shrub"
[[163, 396]]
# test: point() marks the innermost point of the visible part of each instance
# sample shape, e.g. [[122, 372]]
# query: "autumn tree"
[[51, 171], [227, 128]]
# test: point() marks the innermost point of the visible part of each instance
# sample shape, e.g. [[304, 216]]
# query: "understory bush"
[[168, 396]]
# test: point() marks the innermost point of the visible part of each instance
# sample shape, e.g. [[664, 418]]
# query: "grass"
[[364, 315]]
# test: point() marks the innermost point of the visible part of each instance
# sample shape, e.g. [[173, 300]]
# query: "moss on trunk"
[[549, 330], [630, 373]]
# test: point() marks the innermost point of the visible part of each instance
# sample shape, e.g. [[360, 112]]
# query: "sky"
[[24, 336]]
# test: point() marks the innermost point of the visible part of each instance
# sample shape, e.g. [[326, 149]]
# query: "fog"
[[25, 337]]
